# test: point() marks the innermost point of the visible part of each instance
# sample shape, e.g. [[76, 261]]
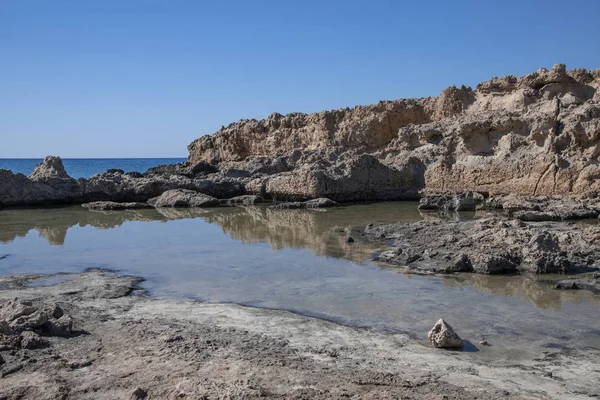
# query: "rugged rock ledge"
[[132, 347], [534, 135]]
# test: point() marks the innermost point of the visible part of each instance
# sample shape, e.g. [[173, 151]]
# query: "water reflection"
[[324, 232], [224, 254]]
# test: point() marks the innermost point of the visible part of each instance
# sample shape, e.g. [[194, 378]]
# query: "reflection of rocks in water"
[[325, 232], [541, 291], [53, 223], [54, 236]]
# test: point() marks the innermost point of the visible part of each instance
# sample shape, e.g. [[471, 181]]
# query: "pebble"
[[484, 343]]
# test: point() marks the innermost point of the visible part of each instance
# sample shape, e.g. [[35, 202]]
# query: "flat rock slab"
[[183, 198], [314, 203], [113, 205]]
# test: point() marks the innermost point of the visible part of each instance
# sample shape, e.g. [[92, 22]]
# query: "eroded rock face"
[[443, 336], [531, 135]]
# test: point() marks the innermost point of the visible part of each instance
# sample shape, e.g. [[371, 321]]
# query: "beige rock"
[[533, 135], [442, 335]]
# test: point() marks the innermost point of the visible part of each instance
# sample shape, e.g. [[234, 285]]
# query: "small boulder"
[[183, 198], [443, 336]]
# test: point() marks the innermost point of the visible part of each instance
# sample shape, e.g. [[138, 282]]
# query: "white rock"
[[442, 335]]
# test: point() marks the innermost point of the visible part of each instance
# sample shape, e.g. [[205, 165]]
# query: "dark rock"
[[183, 198], [315, 203], [487, 246], [466, 201], [591, 282], [245, 200], [543, 255], [529, 215], [31, 340], [190, 170], [111, 205], [139, 394], [350, 239]]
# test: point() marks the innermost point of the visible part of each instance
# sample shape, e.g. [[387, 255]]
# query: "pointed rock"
[[442, 335]]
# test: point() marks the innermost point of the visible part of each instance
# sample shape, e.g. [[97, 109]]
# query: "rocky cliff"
[[532, 135]]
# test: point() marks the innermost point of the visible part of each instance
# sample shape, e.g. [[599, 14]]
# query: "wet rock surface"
[[492, 245], [202, 350]]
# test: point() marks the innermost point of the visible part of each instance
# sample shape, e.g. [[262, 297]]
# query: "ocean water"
[[87, 167]]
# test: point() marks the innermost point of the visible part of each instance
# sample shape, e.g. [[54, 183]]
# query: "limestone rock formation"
[[442, 335], [533, 135]]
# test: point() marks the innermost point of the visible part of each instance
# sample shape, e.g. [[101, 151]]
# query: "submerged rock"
[[591, 283], [443, 336], [183, 198]]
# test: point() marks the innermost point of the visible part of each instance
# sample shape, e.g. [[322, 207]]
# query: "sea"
[[87, 167]]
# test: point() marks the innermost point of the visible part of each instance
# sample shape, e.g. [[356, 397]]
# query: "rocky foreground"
[[533, 135], [96, 335]]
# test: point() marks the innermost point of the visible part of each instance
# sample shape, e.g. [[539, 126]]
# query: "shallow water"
[[300, 260]]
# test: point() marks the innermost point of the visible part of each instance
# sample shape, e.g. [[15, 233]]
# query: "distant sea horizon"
[[88, 167]]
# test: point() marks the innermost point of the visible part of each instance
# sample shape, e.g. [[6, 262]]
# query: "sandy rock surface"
[[125, 345]]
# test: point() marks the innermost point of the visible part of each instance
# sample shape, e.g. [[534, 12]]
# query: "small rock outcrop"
[[22, 323], [183, 198], [112, 205], [490, 246], [591, 282], [443, 336]]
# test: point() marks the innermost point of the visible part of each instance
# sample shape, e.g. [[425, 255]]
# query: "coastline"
[[125, 343]]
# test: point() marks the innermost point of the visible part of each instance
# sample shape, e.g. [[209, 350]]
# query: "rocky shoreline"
[[536, 135], [119, 343]]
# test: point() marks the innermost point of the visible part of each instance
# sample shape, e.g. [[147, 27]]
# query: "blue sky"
[[131, 78]]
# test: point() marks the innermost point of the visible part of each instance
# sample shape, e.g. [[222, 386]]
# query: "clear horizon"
[[143, 79]]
